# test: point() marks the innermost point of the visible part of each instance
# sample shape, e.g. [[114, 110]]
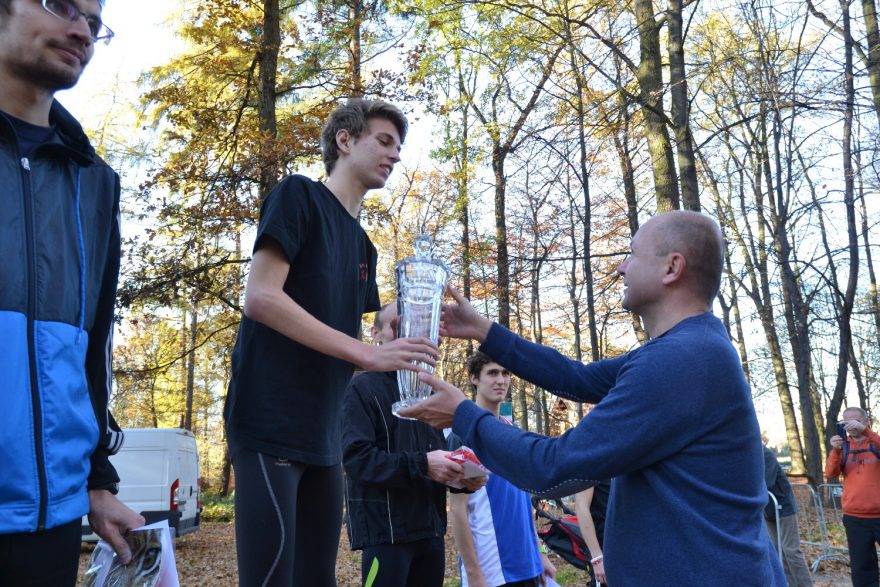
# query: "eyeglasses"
[[67, 10]]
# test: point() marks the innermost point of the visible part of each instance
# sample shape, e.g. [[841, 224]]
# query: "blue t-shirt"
[[501, 522]]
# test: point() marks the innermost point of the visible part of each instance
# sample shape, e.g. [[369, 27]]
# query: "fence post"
[[776, 509], [828, 551]]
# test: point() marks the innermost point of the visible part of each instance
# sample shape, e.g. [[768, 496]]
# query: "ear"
[[675, 268], [474, 380], [344, 141], [374, 333]]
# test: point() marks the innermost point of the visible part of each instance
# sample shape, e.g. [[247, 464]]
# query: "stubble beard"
[[48, 76]]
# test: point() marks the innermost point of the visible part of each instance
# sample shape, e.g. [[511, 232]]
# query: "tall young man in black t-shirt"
[[312, 278]]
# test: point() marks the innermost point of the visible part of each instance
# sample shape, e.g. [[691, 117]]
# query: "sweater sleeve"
[[644, 418], [549, 369], [364, 460], [99, 365], [832, 463]]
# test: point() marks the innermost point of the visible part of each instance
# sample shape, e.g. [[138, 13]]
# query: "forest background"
[[543, 133]]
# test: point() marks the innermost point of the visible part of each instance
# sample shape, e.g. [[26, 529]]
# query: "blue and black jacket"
[[59, 265]]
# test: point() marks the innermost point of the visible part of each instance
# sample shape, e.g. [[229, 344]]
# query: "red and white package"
[[467, 459]]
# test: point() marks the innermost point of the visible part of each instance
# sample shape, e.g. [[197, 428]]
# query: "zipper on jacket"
[[32, 359]]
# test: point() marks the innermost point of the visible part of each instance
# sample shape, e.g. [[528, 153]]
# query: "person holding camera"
[[856, 456]]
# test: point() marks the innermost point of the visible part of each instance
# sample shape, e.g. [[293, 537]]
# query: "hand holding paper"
[[475, 474], [152, 561]]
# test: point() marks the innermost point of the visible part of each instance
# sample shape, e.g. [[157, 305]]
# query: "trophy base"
[[402, 404]]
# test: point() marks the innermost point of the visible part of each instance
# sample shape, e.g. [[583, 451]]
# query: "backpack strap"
[[846, 453]]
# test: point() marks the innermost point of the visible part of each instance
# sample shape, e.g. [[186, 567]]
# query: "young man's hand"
[[549, 568], [441, 469], [474, 484], [599, 570], [400, 354], [439, 409], [461, 320], [111, 519]]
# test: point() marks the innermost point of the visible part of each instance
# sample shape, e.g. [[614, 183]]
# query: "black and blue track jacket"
[[59, 265]]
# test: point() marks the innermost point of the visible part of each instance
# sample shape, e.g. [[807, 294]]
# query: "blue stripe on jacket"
[[70, 429]]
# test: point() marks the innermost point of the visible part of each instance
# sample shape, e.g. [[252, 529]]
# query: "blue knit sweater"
[[676, 429]]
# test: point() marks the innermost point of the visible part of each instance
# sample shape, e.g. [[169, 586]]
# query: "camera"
[[841, 429]]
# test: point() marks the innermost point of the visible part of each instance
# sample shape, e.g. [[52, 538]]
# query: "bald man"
[[674, 424]]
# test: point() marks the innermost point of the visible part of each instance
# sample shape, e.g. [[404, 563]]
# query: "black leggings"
[[288, 517], [411, 564], [41, 559]]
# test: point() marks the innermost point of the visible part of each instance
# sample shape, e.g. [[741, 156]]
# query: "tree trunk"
[[796, 311], [627, 171], [519, 387], [650, 79], [733, 306], [586, 224], [753, 249], [270, 43], [680, 111], [356, 18], [845, 306], [463, 202], [501, 147], [869, 12], [873, 297], [503, 258], [535, 309], [226, 480], [191, 364]]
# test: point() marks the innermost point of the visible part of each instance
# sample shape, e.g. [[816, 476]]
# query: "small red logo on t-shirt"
[[363, 270]]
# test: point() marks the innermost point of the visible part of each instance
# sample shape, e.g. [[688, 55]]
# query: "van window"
[[143, 467]]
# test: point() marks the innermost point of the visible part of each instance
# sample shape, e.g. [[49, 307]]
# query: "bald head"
[[698, 238], [382, 330]]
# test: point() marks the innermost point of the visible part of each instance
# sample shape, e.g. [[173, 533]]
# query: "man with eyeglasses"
[[60, 248]]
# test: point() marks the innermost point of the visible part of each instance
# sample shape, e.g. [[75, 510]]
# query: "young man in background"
[[494, 527]]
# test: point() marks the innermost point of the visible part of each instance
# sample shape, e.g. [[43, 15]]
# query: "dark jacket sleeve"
[[99, 364], [364, 460]]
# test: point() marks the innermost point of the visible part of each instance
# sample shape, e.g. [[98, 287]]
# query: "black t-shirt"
[[284, 398], [29, 135]]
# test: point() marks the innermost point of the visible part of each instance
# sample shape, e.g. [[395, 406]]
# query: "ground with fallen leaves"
[[207, 558]]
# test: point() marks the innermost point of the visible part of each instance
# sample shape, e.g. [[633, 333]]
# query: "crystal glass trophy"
[[421, 280]]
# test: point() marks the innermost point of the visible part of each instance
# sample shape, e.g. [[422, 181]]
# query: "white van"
[[159, 478]]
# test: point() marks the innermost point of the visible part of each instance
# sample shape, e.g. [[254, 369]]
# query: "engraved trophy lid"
[[423, 252]]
